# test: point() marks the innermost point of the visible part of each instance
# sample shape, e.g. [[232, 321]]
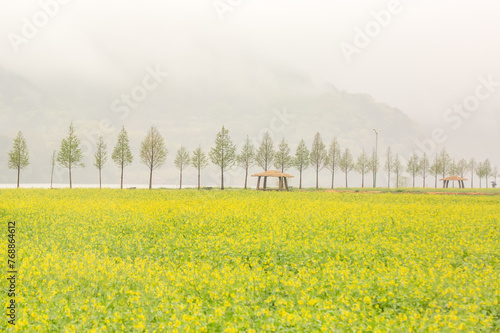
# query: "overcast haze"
[[242, 64]]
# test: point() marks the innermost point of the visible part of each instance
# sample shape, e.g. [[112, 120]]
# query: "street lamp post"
[[376, 158]]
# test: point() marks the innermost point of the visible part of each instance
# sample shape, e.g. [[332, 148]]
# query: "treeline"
[[153, 154]]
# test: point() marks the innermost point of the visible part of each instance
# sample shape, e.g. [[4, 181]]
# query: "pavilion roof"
[[272, 173], [453, 178]]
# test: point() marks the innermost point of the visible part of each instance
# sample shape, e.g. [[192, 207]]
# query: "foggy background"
[[252, 66]]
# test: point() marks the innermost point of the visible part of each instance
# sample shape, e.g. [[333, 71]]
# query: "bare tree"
[[153, 152], [434, 169], [363, 166], [52, 169], [472, 169], [487, 170], [346, 163], [413, 166], [444, 163], [246, 158], [388, 165], [397, 168], [122, 155], [199, 161], [100, 157], [301, 160], [317, 157], [480, 172], [181, 162], [223, 154], [495, 173], [462, 167], [424, 168], [332, 159], [19, 155], [265, 154]]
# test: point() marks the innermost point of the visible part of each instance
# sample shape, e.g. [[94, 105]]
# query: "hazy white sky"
[[428, 57]]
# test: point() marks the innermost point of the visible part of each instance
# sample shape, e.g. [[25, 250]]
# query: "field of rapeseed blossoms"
[[242, 261]]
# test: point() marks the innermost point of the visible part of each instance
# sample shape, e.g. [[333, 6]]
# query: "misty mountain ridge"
[[281, 101]]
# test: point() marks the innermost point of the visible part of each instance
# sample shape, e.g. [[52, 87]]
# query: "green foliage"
[[101, 155], [199, 159], [301, 160], [224, 152], [182, 158], [19, 154], [245, 261], [362, 163], [317, 157], [333, 156], [153, 149], [122, 155], [282, 158], [246, 158], [265, 153], [70, 154]]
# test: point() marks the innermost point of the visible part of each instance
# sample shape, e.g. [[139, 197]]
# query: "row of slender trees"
[[153, 154]]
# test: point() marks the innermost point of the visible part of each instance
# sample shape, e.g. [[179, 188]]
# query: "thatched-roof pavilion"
[[454, 178], [273, 173]]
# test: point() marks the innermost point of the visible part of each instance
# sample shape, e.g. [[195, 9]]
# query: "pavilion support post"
[[280, 183], [286, 183], [258, 184], [265, 183]]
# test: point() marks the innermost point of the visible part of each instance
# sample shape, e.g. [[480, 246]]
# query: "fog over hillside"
[[422, 76]]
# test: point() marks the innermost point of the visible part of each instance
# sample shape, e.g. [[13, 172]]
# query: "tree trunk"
[[70, 183], [18, 174], [151, 167], [346, 178], [51, 176], [362, 179], [121, 178], [317, 175], [150, 177], [300, 178], [221, 178], [180, 179], [100, 182], [198, 178], [333, 178], [246, 177]]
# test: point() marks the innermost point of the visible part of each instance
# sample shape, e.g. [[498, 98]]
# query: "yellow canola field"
[[241, 261]]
